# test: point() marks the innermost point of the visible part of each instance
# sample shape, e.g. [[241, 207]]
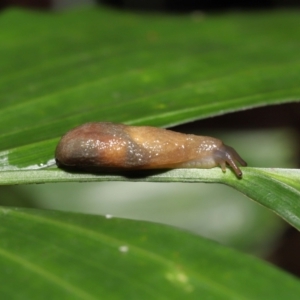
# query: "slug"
[[118, 146]]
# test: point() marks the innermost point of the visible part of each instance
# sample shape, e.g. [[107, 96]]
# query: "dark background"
[[163, 5]]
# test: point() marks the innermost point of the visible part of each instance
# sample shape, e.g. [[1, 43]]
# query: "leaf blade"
[[156, 259]]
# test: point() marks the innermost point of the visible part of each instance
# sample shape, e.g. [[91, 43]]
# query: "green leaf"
[[73, 256], [158, 70], [276, 189]]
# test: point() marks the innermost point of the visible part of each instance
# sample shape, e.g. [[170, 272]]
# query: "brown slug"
[[118, 146]]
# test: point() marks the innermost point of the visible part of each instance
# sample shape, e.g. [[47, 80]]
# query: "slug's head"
[[227, 155]]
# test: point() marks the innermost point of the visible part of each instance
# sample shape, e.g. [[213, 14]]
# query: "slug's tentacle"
[[226, 154]]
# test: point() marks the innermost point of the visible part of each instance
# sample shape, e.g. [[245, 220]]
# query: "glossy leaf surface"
[[157, 70], [76, 256]]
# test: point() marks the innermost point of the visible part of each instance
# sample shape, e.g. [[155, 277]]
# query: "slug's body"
[[118, 146]]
